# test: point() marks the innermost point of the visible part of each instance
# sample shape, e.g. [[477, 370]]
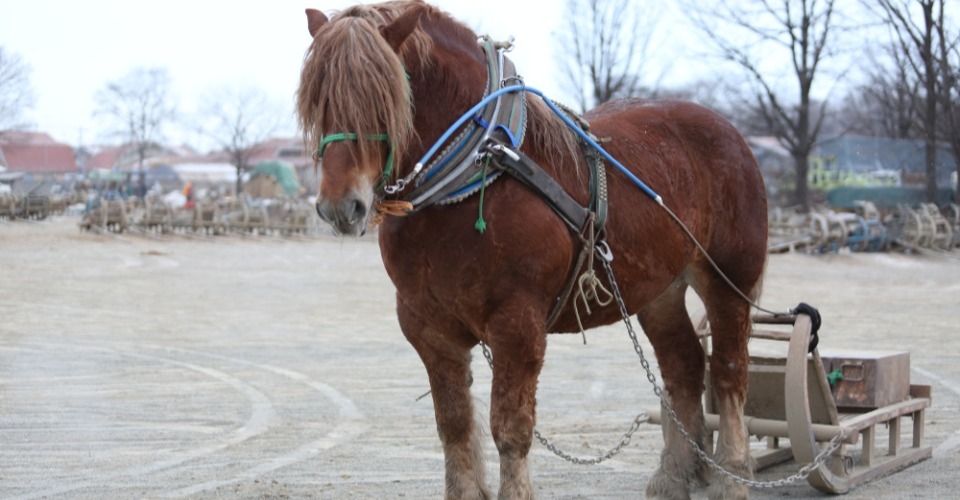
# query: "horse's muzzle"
[[348, 217]]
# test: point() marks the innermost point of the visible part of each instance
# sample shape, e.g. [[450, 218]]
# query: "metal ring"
[[396, 188], [604, 250]]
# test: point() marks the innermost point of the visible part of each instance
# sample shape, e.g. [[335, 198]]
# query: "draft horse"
[[380, 86]]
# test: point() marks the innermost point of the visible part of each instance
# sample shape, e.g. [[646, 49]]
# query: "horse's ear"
[[315, 20], [397, 32]]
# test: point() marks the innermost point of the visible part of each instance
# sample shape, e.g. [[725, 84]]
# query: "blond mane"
[[352, 81]]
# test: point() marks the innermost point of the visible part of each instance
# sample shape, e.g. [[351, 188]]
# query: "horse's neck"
[[439, 99], [454, 81]]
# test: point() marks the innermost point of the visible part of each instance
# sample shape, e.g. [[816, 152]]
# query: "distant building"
[[31, 159], [273, 179], [126, 158], [203, 176], [286, 149], [852, 161], [292, 151], [36, 153]]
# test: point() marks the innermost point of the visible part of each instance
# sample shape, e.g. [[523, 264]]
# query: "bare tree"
[[16, 93], [916, 41], [755, 35], [949, 59], [139, 105], [886, 104], [237, 120], [604, 47]]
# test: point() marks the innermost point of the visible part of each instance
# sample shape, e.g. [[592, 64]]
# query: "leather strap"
[[586, 224], [527, 171]]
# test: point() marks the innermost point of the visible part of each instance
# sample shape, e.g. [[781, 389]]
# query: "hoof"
[[728, 490], [723, 488], [476, 492], [664, 486]]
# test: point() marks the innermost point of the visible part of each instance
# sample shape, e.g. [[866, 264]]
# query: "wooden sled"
[[790, 403]]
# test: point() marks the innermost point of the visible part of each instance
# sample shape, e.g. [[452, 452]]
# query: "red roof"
[[105, 158], [290, 150], [38, 153], [124, 157]]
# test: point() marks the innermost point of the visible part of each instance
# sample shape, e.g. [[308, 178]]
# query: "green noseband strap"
[[350, 136]]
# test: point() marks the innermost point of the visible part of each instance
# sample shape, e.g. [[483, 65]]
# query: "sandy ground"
[[231, 367]]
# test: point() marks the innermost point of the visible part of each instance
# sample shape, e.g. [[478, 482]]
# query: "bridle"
[[350, 136]]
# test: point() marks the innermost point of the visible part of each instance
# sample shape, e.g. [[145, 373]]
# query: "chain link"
[[802, 474], [624, 439]]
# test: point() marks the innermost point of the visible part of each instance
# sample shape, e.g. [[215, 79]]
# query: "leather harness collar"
[[459, 171]]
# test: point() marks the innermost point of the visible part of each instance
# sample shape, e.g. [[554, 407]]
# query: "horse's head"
[[354, 105]]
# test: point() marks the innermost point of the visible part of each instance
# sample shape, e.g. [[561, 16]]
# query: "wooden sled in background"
[[791, 404]]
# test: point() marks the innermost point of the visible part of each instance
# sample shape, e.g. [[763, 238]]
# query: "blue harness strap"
[[458, 172]]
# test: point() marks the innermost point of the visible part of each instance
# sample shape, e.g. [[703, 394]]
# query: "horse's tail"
[[757, 290]]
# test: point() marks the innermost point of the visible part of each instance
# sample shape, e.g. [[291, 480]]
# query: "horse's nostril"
[[352, 210], [356, 211], [346, 215], [321, 211]]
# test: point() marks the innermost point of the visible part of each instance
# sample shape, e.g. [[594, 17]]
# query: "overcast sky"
[[74, 47]]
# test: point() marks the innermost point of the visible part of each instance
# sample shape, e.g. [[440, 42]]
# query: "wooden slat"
[[921, 391], [768, 427], [787, 319], [890, 465], [860, 421], [918, 417], [894, 447], [869, 436], [771, 335]]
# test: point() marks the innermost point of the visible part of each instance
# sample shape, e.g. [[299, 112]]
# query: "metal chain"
[[624, 439], [802, 474]]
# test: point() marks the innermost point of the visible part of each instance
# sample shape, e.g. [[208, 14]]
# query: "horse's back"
[[701, 166], [697, 131], [681, 146]]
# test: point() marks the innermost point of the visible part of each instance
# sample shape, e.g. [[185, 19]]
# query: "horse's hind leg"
[[447, 360], [681, 358], [730, 324]]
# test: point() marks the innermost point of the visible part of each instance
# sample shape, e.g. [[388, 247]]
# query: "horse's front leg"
[[518, 342], [446, 357]]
